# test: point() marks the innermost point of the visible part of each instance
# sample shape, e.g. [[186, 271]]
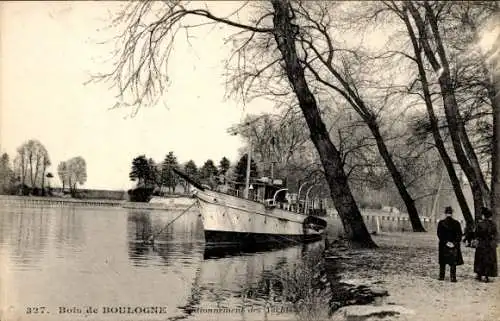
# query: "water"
[[69, 259]]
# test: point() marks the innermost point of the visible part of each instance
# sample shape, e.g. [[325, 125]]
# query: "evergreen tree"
[[240, 172], [153, 177], [140, 170], [191, 170], [168, 177], [208, 171], [224, 166]]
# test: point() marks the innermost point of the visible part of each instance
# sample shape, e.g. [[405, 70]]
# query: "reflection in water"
[[145, 223], [97, 256], [7, 216], [28, 236], [139, 229], [231, 278], [214, 252], [184, 237], [69, 231], [29, 232], [260, 280]]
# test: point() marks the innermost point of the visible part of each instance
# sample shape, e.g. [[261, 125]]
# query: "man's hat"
[[448, 210]]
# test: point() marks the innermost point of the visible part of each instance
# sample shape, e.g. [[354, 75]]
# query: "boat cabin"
[[261, 190], [274, 194]]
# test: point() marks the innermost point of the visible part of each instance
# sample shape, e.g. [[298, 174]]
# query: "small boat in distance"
[[265, 218]]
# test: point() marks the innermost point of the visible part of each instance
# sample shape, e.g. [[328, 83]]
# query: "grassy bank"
[[398, 281]]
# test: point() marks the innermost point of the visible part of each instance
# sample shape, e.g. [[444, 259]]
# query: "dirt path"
[[406, 266]]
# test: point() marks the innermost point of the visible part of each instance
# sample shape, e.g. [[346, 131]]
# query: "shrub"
[[25, 190], [140, 194]]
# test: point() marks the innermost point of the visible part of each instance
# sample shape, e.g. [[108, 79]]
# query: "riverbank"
[[376, 221], [406, 266], [56, 201], [175, 203]]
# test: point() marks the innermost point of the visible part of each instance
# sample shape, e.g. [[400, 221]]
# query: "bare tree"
[[495, 181], [425, 18], [426, 95], [148, 37], [285, 34], [477, 73], [62, 172], [21, 164], [77, 172], [340, 70], [6, 174], [33, 161], [451, 36], [45, 164], [277, 140], [491, 54]]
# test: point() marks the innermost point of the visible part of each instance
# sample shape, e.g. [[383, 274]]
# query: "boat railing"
[[277, 192], [232, 192], [270, 202]]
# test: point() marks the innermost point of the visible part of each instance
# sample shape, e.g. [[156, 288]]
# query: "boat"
[[262, 217]]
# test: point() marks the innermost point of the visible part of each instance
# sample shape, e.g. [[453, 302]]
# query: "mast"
[[249, 159]]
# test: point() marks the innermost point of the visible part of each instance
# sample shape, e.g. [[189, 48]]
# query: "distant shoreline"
[[64, 202]]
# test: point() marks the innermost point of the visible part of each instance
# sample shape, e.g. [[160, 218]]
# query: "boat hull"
[[232, 221], [228, 238]]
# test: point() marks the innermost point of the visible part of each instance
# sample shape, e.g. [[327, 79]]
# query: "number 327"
[[36, 310]]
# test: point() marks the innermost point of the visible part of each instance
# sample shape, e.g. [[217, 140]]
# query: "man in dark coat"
[[485, 258], [449, 233]]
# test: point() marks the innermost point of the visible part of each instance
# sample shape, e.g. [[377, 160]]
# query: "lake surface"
[[86, 263]]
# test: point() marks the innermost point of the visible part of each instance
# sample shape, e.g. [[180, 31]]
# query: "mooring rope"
[[289, 240], [152, 237]]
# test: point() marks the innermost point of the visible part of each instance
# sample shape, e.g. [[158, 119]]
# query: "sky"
[[50, 49]]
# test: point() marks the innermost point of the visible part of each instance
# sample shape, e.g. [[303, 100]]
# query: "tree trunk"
[[358, 104], [416, 224], [37, 168], [433, 120], [456, 139], [348, 211], [43, 178], [31, 170], [471, 155], [445, 83], [455, 182], [495, 178], [23, 172], [455, 125]]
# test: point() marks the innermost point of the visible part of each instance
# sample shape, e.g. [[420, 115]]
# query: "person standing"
[[485, 258], [449, 233]]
